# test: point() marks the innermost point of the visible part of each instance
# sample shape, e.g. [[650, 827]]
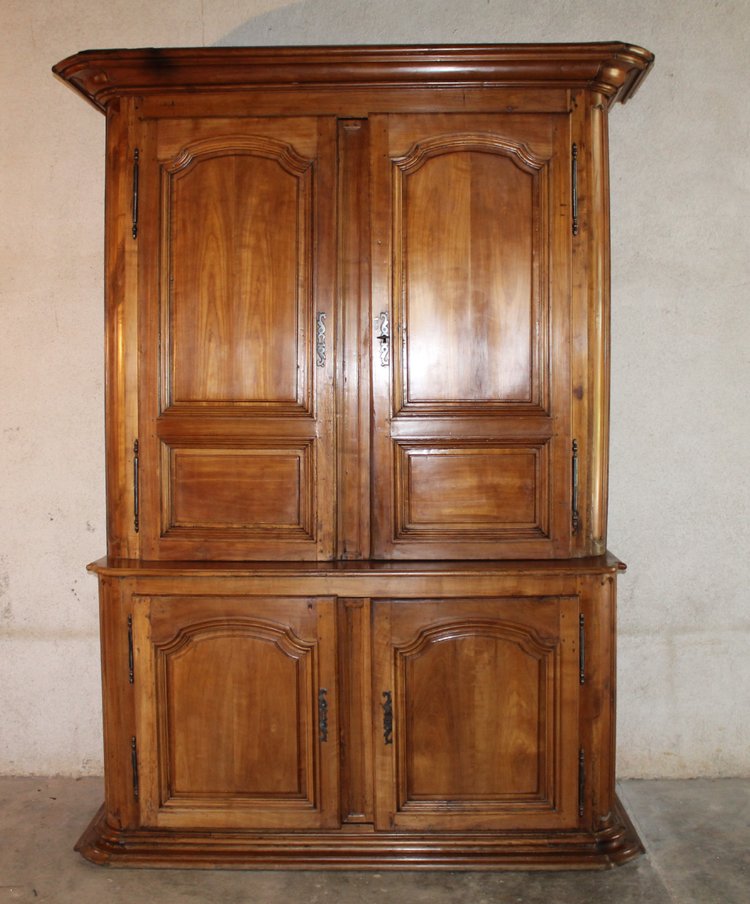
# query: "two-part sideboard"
[[357, 609]]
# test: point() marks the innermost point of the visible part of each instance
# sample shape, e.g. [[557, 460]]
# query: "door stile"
[[121, 313], [353, 340], [381, 494]]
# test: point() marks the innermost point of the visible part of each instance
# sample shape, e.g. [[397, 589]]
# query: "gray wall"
[[681, 277]]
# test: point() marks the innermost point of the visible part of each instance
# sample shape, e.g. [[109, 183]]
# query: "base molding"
[[617, 843]]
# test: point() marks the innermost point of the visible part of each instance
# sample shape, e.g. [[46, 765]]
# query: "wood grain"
[[469, 259], [228, 720], [481, 692]]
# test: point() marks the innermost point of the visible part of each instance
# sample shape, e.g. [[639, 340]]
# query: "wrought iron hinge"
[[387, 717], [574, 187], [323, 714], [136, 479], [136, 167], [134, 764], [131, 671], [574, 516], [582, 649], [581, 781], [320, 339]]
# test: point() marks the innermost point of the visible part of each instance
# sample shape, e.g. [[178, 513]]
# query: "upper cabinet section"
[[357, 299]]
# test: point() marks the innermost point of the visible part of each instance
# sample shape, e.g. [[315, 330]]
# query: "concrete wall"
[[681, 278]]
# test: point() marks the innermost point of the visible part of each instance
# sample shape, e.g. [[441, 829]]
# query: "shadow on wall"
[[418, 22]]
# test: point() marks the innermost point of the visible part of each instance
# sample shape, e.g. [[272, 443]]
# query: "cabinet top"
[[612, 69]]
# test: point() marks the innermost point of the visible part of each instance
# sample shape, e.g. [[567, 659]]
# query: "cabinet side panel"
[[118, 702], [121, 328], [598, 710], [599, 320]]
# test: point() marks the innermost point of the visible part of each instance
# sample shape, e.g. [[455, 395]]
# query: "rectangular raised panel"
[[262, 490], [228, 716], [483, 489], [237, 263], [471, 229], [484, 706]]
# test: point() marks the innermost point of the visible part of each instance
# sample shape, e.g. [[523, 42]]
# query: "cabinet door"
[[236, 712], [471, 294], [477, 713], [236, 245]]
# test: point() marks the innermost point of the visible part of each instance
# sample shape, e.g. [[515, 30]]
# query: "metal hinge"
[[131, 671], [574, 187], [574, 516], [582, 649], [323, 714], [136, 479], [134, 764], [581, 781], [136, 167], [387, 717]]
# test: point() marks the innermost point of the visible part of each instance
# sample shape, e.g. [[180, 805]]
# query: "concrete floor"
[[697, 834]]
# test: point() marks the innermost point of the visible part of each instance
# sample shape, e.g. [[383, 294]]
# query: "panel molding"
[[408, 528], [303, 451], [544, 650], [302, 170], [537, 168], [283, 638]]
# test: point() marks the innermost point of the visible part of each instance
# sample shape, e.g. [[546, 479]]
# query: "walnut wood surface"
[[470, 261], [227, 716], [485, 702], [455, 662], [613, 69], [236, 428], [614, 845], [331, 519]]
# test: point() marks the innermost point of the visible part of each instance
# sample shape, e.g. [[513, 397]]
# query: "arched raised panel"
[[234, 710], [230, 727], [475, 712], [471, 227], [483, 694], [236, 284]]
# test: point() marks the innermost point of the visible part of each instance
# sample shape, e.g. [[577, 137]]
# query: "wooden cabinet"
[[356, 609]]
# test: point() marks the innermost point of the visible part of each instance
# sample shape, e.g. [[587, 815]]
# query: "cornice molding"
[[613, 69]]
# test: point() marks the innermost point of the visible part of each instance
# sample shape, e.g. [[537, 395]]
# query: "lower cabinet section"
[[376, 715]]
